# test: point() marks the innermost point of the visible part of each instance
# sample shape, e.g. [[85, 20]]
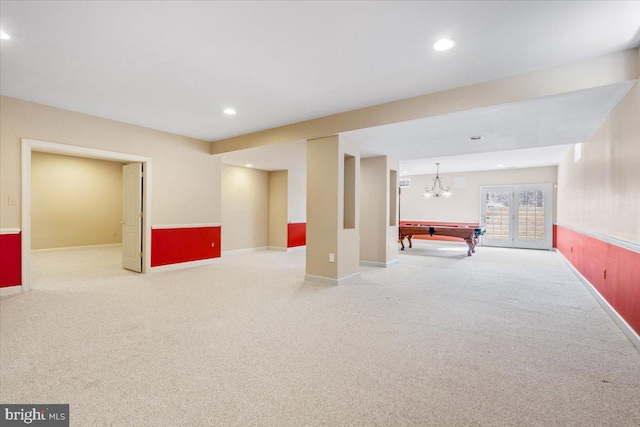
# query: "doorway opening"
[[144, 201]]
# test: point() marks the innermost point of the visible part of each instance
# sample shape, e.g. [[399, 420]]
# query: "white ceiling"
[[175, 66], [552, 120], [530, 133], [512, 159], [292, 156]]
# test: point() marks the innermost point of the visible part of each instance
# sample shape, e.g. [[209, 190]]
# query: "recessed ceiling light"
[[229, 111], [500, 166], [249, 165], [444, 44], [4, 36], [475, 137]]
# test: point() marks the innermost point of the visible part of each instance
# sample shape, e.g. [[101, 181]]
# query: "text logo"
[[35, 415]]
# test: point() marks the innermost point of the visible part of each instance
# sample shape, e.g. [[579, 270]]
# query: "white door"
[[132, 217], [518, 216]]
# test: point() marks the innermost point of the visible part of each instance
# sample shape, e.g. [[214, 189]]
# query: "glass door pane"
[[534, 213], [531, 215], [496, 216]]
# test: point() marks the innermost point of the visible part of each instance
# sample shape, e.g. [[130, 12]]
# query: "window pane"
[[497, 211], [531, 215]]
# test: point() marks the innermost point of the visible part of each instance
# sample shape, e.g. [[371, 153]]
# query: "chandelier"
[[437, 190]]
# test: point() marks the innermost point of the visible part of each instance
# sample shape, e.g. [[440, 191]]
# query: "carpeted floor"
[[503, 338]]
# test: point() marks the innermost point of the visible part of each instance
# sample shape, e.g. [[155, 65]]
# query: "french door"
[[517, 216]]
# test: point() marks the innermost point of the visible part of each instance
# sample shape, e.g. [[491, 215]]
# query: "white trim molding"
[[330, 281], [619, 320], [297, 222], [379, 264], [635, 247], [277, 248], [169, 226], [10, 290], [182, 265], [9, 231], [297, 248]]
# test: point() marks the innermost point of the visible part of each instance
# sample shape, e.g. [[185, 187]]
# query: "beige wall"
[[392, 230], [465, 204], [378, 240], [325, 206], [278, 208], [601, 191], [297, 196], [348, 250], [186, 178], [74, 201], [245, 208]]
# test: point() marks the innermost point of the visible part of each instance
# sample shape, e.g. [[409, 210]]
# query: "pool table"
[[469, 234]]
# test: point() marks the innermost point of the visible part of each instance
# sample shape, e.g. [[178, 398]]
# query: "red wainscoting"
[[176, 245], [620, 285], [436, 237], [296, 234], [10, 259]]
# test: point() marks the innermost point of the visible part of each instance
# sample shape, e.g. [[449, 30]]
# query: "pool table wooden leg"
[[471, 246]]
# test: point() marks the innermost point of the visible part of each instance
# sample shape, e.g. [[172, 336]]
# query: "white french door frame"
[[29, 145], [513, 241]]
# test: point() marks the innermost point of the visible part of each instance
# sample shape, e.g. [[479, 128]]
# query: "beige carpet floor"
[[503, 338]]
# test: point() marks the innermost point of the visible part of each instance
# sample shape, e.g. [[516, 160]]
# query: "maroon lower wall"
[[10, 260], [296, 234], [612, 270], [168, 246], [177, 245]]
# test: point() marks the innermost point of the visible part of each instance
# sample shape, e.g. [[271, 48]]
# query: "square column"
[[278, 209], [333, 209], [379, 199]]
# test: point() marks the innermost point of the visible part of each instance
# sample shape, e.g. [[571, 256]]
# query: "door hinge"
[[141, 214], [140, 254], [141, 174]]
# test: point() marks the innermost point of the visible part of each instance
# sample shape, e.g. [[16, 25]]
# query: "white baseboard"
[[10, 290], [245, 251], [379, 264], [297, 248], [622, 324], [330, 281], [181, 265], [70, 248]]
